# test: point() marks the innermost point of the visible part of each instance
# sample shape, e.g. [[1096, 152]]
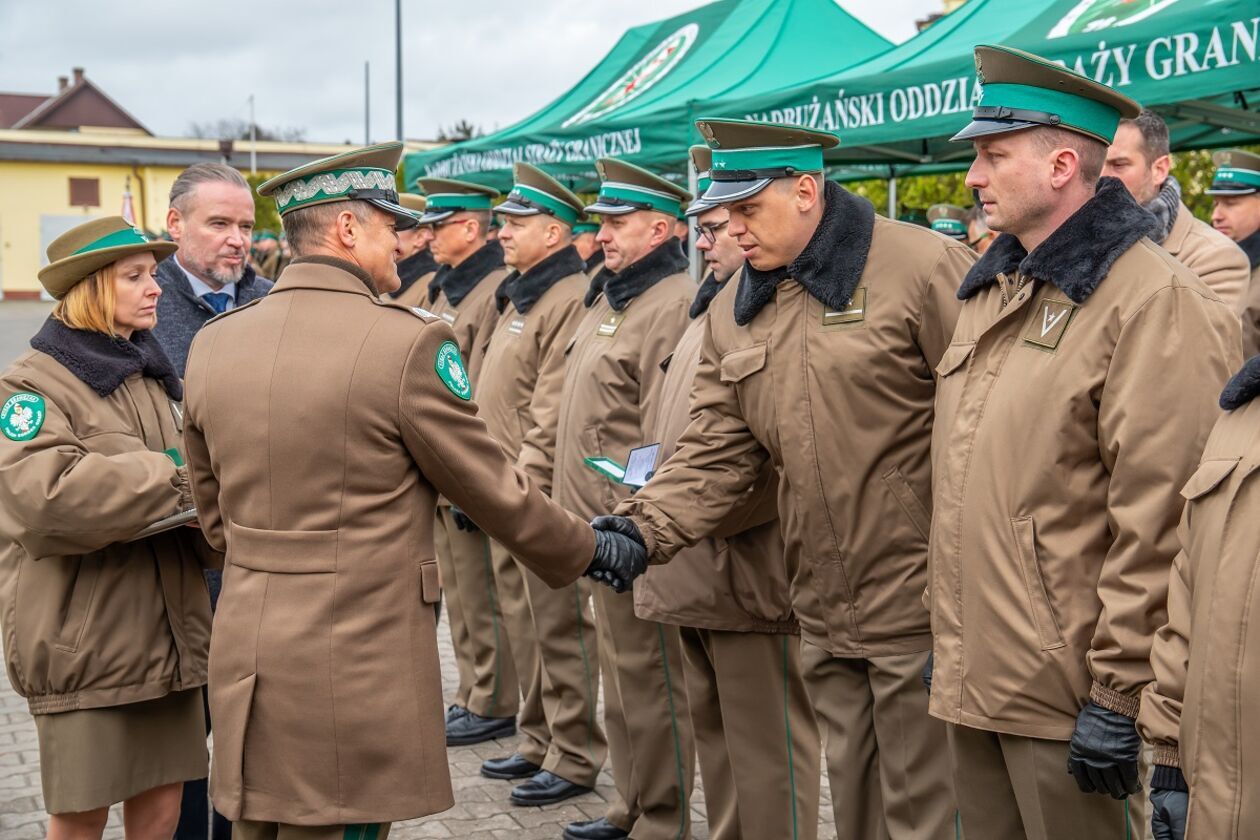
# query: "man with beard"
[[417, 265], [211, 219], [1140, 158], [1236, 213]]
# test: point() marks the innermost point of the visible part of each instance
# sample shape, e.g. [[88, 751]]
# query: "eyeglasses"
[[709, 233]]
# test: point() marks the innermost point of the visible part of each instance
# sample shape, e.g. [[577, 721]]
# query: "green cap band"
[[585, 227], [126, 236], [458, 201], [333, 184], [769, 162], [702, 183], [528, 195], [611, 193], [950, 227], [1233, 175], [1086, 115]]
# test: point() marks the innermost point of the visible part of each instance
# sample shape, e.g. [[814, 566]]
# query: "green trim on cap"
[[702, 183], [585, 227], [614, 191], [458, 201], [951, 227], [330, 185], [560, 209], [1234, 175], [1089, 116], [793, 158], [117, 239]]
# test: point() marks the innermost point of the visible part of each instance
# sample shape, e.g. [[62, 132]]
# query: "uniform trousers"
[[251, 830]]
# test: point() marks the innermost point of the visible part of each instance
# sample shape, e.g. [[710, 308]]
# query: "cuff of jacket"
[[1166, 756], [1169, 778], [649, 539], [1115, 701], [184, 486]]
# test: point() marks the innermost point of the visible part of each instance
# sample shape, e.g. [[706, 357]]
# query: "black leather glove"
[[927, 672], [1170, 800], [620, 553], [462, 522], [1103, 754]]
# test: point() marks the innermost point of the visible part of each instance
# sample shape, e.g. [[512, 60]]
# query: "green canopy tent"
[[1197, 62], [636, 104]]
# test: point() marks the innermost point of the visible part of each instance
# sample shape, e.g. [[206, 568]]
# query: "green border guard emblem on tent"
[[22, 416], [450, 369], [646, 72], [1089, 16]]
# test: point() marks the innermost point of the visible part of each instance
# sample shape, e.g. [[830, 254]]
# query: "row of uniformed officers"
[[930, 468]]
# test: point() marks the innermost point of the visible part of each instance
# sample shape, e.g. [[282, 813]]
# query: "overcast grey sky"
[[489, 61]]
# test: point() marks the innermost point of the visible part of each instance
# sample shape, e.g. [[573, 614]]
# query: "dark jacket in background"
[[181, 313]]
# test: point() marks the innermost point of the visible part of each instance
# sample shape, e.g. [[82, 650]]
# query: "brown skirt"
[[94, 758]]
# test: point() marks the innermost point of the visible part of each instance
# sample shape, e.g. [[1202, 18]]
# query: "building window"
[[85, 192]]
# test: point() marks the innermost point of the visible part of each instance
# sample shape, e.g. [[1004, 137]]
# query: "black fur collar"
[[524, 290], [831, 265], [457, 282], [104, 362], [596, 259], [1251, 247], [1243, 387], [709, 287], [413, 268], [1077, 256], [624, 286]]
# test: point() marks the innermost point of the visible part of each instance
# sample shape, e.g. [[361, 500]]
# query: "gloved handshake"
[[620, 553]]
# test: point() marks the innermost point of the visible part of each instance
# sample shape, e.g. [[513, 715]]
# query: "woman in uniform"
[[105, 635]]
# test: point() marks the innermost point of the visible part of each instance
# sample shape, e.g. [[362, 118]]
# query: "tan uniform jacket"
[[839, 397], [612, 374], [1065, 424], [89, 620], [738, 583], [1213, 256], [523, 373], [1251, 304], [416, 294], [467, 303], [1200, 712], [320, 434]]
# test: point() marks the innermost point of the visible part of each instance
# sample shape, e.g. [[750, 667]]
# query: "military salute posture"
[[1236, 213], [562, 746], [324, 679], [819, 362], [756, 739], [462, 294], [637, 310], [1073, 399]]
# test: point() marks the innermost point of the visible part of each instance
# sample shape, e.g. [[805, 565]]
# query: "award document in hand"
[[638, 469], [166, 524]]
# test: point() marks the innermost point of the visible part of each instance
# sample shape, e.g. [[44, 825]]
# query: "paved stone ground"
[[481, 812]]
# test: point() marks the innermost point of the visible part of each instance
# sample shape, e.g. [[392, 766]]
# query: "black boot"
[[472, 728], [515, 766], [600, 829], [546, 788]]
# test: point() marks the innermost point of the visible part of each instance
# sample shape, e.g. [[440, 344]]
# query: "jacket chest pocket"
[[954, 357], [745, 370]]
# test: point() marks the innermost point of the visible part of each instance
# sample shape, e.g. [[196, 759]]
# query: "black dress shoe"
[[455, 711], [600, 829], [515, 766], [472, 728], [546, 788]]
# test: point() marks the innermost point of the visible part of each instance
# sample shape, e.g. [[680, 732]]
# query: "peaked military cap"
[[413, 202], [1022, 90], [1237, 173], [446, 197], [365, 174], [535, 192], [949, 219], [87, 248], [588, 226], [625, 188], [702, 161], [748, 155]]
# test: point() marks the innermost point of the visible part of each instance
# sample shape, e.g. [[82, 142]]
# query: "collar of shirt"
[[200, 288]]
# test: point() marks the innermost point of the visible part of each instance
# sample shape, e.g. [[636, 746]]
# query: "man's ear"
[[348, 228], [1065, 164], [174, 223], [1161, 167], [808, 193]]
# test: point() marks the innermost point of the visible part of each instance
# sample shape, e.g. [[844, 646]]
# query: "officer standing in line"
[[949, 220], [756, 738], [462, 294], [324, 670], [417, 266], [562, 746], [1073, 404], [1235, 192], [637, 310], [818, 362], [588, 249]]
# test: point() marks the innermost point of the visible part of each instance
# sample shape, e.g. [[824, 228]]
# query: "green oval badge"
[[22, 416], [450, 369]]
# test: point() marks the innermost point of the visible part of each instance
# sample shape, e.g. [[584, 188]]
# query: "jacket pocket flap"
[[953, 358], [1208, 476], [282, 552], [430, 583], [740, 364]]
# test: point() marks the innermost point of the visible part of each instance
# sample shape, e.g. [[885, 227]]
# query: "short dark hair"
[[1154, 133], [1092, 152], [203, 173], [305, 227]]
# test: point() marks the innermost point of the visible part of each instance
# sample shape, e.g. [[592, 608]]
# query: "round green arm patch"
[[22, 416], [450, 369]]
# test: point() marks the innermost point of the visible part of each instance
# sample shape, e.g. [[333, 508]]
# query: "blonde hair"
[[90, 303]]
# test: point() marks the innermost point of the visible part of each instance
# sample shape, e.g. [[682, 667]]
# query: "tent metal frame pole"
[[892, 193], [693, 253]]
